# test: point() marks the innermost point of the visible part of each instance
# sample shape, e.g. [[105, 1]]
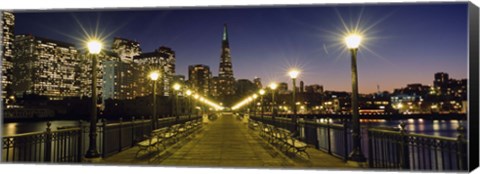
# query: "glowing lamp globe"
[[154, 75], [261, 92], [94, 47], [273, 86], [293, 73], [353, 41]]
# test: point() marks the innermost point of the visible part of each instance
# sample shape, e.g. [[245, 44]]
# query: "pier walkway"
[[227, 142]]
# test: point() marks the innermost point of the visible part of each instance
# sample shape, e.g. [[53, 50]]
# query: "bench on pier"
[[282, 138], [152, 141]]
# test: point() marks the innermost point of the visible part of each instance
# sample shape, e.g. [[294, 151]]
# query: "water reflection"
[[9, 129]]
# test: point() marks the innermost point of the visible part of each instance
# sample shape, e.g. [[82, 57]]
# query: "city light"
[[188, 92], [94, 46], [261, 92], [273, 85], [293, 73], [177, 86], [353, 41], [154, 75]]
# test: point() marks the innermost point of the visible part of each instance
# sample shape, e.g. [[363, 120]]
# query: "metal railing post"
[[79, 142], [120, 134], [133, 131], [370, 150], [328, 137], [48, 143], [461, 148], [405, 155], [345, 140], [104, 132]]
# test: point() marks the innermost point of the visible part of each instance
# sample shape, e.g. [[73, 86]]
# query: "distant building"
[[7, 24], [119, 80], [199, 78], [258, 82], [45, 67], [126, 49], [282, 88], [314, 89], [162, 60], [85, 69], [244, 87], [226, 80], [301, 90], [440, 83], [214, 87]]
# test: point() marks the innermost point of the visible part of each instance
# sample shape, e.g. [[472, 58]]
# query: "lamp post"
[[261, 92], [273, 86], [250, 101], [294, 74], [176, 87], [255, 96], [190, 105], [353, 42], [154, 77], [94, 47]]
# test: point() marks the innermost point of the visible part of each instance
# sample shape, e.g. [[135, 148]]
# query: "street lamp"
[[189, 93], [273, 86], [353, 42], [261, 92], [154, 77], [94, 48], [255, 96], [176, 87], [294, 74]]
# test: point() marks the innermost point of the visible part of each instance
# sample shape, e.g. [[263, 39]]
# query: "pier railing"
[[384, 148], [49, 146], [69, 144]]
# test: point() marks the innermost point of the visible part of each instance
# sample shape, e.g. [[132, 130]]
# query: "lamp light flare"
[[293, 73], [94, 46], [189, 92], [154, 75], [261, 92], [353, 41], [273, 86], [176, 86]]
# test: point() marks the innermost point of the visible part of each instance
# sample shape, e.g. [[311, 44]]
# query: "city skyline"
[[304, 42]]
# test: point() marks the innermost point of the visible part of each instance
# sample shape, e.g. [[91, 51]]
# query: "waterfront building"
[[159, 60], [199, 78], [315, 88], [258, 82], [283, 88], [126, 49], [45, 67], [244, 87], [7, 24], [119, 79]]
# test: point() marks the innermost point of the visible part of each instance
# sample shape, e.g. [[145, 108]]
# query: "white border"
[[90, 4]]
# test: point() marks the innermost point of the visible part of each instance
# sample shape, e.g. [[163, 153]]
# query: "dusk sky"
[[403, 43]]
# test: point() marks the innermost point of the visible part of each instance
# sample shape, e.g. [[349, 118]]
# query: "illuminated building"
[[45, 67], [226, 79], [199, 78], [7, 23]]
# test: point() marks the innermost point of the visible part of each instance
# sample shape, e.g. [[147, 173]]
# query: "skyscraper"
[[45, 67], [199, 77], [226, 80], [126, 49], [162, 60], [7, 24]]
